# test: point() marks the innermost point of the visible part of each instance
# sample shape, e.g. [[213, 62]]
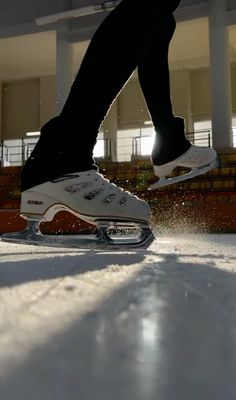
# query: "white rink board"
[[139, 325]]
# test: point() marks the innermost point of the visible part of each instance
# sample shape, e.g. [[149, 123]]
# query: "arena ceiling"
[[35, 55]]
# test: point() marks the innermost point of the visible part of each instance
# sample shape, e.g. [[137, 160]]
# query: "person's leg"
[[116, 49], [66, 142], [153, 72], [171, 147]]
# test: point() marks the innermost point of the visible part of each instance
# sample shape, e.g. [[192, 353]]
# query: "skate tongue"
[[73, 175], [65, 178]]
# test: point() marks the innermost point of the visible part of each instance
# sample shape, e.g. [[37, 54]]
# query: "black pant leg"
[[67, 141]]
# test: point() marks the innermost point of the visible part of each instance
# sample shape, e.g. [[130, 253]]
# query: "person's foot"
[[86, 194], [198, 159]]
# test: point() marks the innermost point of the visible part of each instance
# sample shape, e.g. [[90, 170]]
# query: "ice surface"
[[138, 325]]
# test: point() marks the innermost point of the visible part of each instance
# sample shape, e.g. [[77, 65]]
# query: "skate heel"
[[37, 206], [164, 170]]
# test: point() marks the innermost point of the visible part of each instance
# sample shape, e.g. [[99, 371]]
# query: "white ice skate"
[[120, 217], [199, 159]]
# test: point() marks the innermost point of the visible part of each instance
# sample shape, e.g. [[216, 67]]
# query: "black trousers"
[[136, 34]]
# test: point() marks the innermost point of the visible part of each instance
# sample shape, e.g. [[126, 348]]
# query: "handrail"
[[201, 137], [16, 155]]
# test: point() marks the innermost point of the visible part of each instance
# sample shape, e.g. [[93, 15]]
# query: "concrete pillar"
[[47, 98], [64, 65], [220, 75], [110, 127], [181, 96]]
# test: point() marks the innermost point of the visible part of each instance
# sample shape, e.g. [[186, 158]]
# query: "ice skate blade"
[[192, 174], [109, 235]]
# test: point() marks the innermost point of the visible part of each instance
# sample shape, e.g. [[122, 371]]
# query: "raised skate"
[[198, 159], [120, 217]]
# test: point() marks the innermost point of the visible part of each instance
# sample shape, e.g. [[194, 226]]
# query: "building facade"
[[42, 45]]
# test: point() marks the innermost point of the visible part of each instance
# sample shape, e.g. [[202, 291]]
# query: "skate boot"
[[120, 217], [198, 159], [172, 149]]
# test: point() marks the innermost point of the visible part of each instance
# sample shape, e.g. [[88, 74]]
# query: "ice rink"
[[156, 324]]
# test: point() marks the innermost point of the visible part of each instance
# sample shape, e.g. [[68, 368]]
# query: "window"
[[99, 149], [136, 142], [202, 133], [146, 144], [234, 130], [12, 152]]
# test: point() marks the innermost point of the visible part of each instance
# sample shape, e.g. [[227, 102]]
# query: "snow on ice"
[[133, 325]]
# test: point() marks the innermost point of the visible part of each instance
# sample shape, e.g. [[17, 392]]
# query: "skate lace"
[[112, 190], [99, 184], [113, 187]]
